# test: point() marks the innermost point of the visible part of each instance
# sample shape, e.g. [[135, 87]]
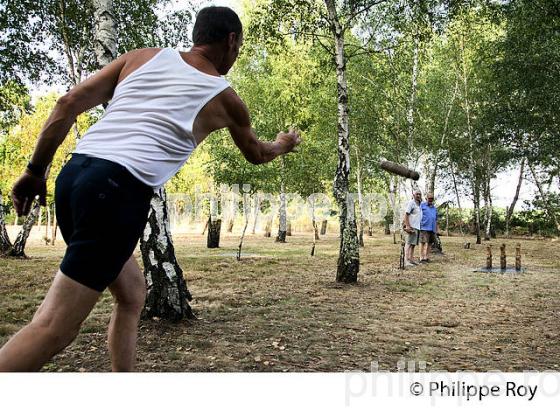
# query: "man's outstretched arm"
[[254, 150], [96, 90]]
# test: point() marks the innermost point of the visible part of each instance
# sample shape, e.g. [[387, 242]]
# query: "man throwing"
[[163, 103]]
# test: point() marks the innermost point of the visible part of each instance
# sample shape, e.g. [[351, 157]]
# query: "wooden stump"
[[503, 261], [489, 257], [518, 257], [324, 227], [281, 237], [213, 238], [230, 225], [267, 229], [386, 227]]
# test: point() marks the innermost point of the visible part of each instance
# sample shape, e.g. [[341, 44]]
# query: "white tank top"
[[148, 126]]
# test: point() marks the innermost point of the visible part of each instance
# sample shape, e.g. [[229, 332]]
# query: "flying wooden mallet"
[[399, 169]]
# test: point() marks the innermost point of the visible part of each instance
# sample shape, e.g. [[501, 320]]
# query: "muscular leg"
[[54, 326], [129, 292]]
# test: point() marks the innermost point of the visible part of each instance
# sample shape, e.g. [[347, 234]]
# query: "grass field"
[[279, 309]]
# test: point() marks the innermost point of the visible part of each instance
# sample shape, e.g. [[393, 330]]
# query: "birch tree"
[[511, 207], [282, 223], [167, 293], [5, 243], [105, 44], [329, 25]]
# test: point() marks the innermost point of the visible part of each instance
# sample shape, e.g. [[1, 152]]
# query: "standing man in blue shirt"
[[428, 227]]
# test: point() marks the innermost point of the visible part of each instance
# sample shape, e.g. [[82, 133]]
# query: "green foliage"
[[487, 93], [535, 215], [526, 75], [20, 143], [14, 101], [282, 88], [275, 23], [67, 27], [193, 175]]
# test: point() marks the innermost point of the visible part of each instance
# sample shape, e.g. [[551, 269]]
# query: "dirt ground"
[[279, 309]]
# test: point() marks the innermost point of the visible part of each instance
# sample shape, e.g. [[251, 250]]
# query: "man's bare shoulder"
[[234, 106], [136, 58], [230, 98], [141, 54]]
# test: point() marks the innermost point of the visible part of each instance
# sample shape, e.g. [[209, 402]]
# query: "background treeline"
[[459, 90]]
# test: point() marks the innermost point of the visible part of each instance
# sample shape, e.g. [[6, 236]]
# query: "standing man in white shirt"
[[412, 219]]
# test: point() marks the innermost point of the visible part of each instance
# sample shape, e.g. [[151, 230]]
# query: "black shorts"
[[102, 210]]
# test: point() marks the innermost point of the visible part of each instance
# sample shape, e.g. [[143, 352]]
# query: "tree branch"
[[356, 13]]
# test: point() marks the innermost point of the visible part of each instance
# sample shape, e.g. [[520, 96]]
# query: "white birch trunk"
[[54, 226], [214, 225], [246, 212], [488, 196], [47, 225], [447, 220], [105, 45], [242, 238], [282, 217], [5, 243], [315, 228], [168, 295], [474, 178], [511, 208], [489, 212], [412, 99], [256, 209], [360, 199], [18, 250], [349, 256]]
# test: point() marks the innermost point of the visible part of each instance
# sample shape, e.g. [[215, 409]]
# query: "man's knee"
[[131, 299]]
